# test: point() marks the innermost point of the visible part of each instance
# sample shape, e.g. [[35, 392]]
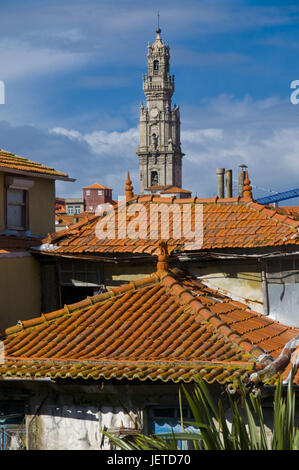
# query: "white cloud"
[[21, 60], [105, 143], [260, 133]]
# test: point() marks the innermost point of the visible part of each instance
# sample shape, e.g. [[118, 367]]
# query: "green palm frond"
[[247, 430]]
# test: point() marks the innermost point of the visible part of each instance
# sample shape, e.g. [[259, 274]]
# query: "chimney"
[[241, 178], [228, 183], [220, 182]]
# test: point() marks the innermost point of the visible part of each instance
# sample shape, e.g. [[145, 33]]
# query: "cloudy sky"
[[72, 71]]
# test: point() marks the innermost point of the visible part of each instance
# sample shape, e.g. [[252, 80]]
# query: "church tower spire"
[[159, 150]]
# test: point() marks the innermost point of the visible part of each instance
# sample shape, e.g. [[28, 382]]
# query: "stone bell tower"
[[159, 150]]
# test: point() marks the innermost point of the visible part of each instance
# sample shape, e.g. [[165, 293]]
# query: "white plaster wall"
[[75, 427], [243, 285]]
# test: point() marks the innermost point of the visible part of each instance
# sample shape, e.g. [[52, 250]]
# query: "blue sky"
[[73, 69]]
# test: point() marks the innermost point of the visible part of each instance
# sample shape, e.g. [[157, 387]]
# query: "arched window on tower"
[[156, 66], [154, 178]]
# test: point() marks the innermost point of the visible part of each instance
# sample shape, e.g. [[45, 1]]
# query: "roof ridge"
[[88, 302], [273, 213], [186, 297]]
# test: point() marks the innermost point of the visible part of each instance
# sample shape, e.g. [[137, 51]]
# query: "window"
[[70, 210], [164, 420], [156, 65], [100, 192], [87, 192], [283, 270], [12, 425], [154, 178], [79, 273], [16, 209], [77, 209]]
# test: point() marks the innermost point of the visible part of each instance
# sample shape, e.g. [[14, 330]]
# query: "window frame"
[[24, 205]]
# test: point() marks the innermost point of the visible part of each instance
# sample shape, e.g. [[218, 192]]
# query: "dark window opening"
[[72, 294], [156, 65], [154, 178]]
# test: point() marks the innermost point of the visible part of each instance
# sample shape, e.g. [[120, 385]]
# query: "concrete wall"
[[241, 282], [20, 289]]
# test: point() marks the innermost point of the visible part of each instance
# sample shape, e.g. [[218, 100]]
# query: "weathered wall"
[[240, 282], [284, 303], [72, 416], [117, 274], [74, 421], [69, 424], [20, 289]]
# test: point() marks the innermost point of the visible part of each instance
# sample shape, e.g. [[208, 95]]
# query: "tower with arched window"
[[159, 150]]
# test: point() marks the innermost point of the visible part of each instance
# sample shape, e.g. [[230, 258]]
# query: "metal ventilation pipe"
[[228, 183], [241, 177], [220, 181]]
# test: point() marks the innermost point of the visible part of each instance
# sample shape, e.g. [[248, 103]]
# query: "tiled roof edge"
[[88, 302], [272, 213]]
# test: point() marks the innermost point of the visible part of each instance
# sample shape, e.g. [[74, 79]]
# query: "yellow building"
[[27, 213]]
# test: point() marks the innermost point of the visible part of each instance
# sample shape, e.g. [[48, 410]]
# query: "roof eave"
[[36, 174]]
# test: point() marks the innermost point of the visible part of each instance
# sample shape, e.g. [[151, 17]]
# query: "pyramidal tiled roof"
[[227, 223], [167, 327], [96, 186]]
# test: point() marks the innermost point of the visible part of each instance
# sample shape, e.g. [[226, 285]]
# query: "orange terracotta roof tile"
[[155, 328], [227, 224], [175, 189], [96, 186], [10, 161]]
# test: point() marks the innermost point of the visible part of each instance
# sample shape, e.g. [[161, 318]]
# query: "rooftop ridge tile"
[[187, 298]]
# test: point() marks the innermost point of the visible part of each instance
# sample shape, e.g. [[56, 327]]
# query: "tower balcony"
[[165, 86]]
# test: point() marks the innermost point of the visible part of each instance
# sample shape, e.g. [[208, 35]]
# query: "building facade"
[[159, 150], [95, 195], [27, 201]]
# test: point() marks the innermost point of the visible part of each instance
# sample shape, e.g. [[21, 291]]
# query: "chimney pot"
[[228, 183], [241, 178], [220, 182]]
